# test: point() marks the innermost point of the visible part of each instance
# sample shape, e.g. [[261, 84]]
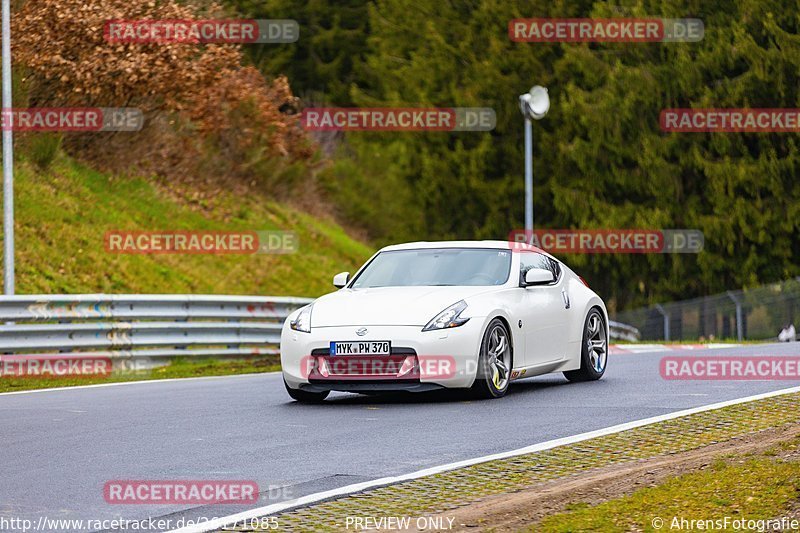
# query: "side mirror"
[[538, 276], [341, 279]]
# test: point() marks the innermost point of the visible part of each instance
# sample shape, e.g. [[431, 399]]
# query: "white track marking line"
[[140, 382], [358, 487]]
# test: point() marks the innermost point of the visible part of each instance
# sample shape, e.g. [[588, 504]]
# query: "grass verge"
[[63, 213], [755, 488], [178, 368], [445, 493]]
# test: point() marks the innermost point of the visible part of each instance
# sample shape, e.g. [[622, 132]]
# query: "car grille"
[[396, 350]]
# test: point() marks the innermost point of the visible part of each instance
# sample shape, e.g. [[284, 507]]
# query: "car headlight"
[[302, 322], [449, 318]]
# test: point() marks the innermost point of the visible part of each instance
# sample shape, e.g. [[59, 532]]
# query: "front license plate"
[[361, 348]]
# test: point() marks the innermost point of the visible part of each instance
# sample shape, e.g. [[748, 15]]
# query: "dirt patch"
[[521, 509]]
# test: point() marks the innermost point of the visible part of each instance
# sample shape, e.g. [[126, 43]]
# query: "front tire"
[[494, 362], [303, 396], [594, 349]]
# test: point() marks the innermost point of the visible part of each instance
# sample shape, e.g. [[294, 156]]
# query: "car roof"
[[506, 245], [446, 244]]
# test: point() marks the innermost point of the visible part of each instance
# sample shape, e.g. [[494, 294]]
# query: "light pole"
[[534, 106], [8, 156]]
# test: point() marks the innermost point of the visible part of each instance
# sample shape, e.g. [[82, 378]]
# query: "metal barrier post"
[[666, 320], [739, 322]]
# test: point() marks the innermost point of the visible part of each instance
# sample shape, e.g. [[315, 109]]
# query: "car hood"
[[395, 306]]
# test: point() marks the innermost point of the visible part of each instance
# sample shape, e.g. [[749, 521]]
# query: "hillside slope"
[[63, 213]]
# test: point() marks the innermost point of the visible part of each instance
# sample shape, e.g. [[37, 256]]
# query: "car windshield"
[[436, 267]]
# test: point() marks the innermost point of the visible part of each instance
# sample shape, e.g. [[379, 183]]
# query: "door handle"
[[565, 297]]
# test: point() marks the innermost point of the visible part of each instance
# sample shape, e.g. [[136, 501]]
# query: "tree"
[[601, 159], [326, 60]]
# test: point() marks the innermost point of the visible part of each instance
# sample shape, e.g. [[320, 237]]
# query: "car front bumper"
[[420, 360]]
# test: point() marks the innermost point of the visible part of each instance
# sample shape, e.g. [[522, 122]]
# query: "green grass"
[[62, 214], [64, 209], [178, 368], [756, 488]]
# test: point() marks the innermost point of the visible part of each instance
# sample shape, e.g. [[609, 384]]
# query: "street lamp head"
[[535, 103]]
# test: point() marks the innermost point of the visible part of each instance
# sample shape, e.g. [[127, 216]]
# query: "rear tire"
[[494, 362], [594, 349], [303, 396]]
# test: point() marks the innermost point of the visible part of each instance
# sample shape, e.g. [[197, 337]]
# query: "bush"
[[41, 148], [210, 119]]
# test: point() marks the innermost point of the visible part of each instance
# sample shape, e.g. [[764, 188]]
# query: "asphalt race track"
[[59, 448]]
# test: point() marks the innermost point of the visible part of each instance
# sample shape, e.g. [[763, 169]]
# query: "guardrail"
[[145, 328], [623, 332], [149, 329]]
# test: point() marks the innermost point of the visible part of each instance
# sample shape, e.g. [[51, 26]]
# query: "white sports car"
[[458, 314]]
